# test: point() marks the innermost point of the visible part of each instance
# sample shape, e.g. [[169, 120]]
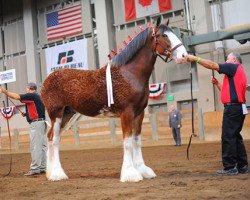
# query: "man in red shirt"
[[35, 116], [233, 96]]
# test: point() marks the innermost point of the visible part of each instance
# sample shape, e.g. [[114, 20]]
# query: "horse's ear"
[[167, 22], [158, 21]]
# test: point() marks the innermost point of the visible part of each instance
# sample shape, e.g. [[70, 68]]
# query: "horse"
[[67, 91]]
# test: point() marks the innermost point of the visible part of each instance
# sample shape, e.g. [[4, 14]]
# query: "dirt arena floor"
[[94, 174]]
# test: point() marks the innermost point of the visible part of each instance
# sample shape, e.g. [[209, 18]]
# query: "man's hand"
[[3, 90], [179, 126], [214, 81], [191, 58], [181, 60]]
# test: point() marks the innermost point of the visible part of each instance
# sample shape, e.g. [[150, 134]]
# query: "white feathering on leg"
[[54, 170], [128, 172], [138, 161]]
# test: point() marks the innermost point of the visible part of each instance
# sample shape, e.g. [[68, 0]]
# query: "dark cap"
[[32, 86]]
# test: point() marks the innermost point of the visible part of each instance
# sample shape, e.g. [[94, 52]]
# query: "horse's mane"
[[164, 28], [131, 49], [134, 46]]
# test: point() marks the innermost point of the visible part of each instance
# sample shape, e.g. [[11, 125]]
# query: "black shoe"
[[243, 170], [42, 171], [228, 172], [31, 173]]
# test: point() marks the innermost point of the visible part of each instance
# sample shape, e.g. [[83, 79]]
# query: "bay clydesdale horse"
[[67, 91]]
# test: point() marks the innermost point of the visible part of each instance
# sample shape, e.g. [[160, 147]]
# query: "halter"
[[167, 52]]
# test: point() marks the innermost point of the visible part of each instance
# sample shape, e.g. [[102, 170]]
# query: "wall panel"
[[18, 63], [1, 45], [14, 38], [13, 9]]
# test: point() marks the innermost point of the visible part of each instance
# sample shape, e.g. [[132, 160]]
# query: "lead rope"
[[8, 126], [192, 100]]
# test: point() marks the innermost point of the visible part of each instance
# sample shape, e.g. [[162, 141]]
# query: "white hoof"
[[146, 172], [130, 175], [57, 175]]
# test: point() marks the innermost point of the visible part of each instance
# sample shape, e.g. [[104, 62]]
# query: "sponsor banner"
[[71, 55]]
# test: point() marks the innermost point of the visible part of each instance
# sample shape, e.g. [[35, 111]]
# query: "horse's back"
[[75, 88]]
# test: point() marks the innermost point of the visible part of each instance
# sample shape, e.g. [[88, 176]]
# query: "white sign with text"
[[72, 55], [8, 76]]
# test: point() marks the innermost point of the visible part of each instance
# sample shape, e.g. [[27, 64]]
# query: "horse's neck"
[[143, 64]]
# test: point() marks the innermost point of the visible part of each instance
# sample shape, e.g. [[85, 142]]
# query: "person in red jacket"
[[233, 96]]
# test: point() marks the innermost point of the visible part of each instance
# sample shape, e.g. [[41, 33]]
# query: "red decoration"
[[8, 112]]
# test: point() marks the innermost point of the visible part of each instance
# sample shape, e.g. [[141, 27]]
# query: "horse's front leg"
[[138, 161], [54, 171], [128, 171]]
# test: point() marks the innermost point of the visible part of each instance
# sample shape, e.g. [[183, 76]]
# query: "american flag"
[[65, 22]]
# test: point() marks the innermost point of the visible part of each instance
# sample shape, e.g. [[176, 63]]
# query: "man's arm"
[[179, 119], [11, 95], [204, 62], [169, 120]]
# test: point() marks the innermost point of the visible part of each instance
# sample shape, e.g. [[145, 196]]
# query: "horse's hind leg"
[[54, 169], [138, 161], [128, 172]]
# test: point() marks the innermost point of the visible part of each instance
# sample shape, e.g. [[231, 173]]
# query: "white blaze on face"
[[180, 52]]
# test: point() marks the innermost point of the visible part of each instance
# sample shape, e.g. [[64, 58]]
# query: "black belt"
[[231, 104], [35, 120]]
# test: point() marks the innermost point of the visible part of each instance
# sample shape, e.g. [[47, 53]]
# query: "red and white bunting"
[[156, 90], [8, 112]]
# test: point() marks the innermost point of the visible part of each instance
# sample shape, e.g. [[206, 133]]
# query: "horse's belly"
[[101, 113]]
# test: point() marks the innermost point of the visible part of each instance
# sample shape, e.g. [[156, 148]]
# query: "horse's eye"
[[165, 35]]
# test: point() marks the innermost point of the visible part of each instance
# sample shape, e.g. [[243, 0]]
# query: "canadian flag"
[[141, 8]]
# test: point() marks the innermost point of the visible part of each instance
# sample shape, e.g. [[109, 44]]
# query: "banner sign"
[[8, 76], [72, 55]]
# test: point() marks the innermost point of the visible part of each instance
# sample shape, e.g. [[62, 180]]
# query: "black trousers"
[[176, 135], [233, 149]]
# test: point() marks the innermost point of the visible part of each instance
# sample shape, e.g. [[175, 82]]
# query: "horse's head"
[[166, 43]]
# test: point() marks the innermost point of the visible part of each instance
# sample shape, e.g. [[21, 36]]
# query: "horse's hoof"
[[57, 178], [130, 175], [146, 172], [57, 175]]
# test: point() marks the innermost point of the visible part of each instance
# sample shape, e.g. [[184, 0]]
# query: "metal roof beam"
[[223, 34]]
